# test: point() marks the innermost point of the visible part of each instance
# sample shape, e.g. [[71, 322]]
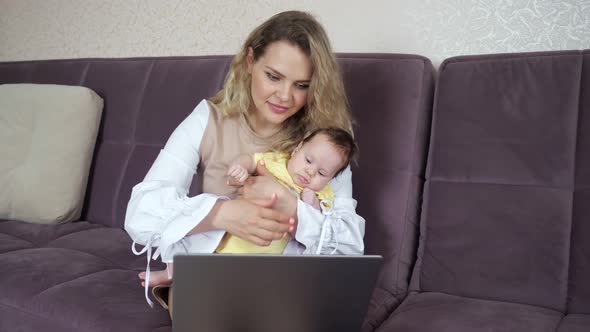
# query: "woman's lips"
[[278, 109]]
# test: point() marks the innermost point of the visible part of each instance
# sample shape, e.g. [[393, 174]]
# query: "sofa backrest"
[[507, 176], [579, 271], [391, 99], [146, 98]]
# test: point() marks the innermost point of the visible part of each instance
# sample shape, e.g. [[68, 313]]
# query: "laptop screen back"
[[219, 293]]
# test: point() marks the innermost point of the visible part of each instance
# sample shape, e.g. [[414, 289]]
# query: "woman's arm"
[[255, 221], [160, 214]]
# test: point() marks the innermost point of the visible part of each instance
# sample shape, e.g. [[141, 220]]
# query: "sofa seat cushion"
[[575, 323], [72, 277], [438, 312]]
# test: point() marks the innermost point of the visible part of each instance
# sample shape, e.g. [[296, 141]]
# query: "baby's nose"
[[310, 171]]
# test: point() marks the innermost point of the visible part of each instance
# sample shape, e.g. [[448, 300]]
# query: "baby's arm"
[[240, 169], [308, 196]]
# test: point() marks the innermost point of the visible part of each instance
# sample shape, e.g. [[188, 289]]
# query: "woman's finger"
[[275, 216], [270, 225], [265, 202], [266, 236]]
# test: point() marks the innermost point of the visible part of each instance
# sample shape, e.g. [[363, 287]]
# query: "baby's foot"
[[156, 278]]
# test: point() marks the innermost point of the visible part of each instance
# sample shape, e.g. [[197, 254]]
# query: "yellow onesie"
[[276, 164]]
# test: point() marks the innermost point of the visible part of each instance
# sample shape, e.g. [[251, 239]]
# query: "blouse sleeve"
[[333, 230], [159, 213]]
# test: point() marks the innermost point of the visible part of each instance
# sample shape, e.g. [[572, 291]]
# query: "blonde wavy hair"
[[326, 104]]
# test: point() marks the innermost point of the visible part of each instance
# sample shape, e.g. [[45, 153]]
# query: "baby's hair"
[[342, 140]]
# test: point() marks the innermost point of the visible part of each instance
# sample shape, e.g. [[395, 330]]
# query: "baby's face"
[[314, 164]]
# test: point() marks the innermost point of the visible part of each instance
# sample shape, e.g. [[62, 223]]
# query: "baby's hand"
[[309, 197], [237, 175]]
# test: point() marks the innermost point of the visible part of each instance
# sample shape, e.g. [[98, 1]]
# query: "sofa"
[[473, 187], [82, 275], [505, 213]]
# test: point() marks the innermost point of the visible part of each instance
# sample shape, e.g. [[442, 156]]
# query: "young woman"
[[283, 83]]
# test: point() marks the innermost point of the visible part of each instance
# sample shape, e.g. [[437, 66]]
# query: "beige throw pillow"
[[47, 136]]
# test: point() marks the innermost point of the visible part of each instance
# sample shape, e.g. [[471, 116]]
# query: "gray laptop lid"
[[264, 293]]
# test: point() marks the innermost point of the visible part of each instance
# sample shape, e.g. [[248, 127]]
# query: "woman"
[[283, 83]]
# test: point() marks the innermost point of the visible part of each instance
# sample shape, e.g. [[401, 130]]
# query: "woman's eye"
[[302, 86], [272, 77]]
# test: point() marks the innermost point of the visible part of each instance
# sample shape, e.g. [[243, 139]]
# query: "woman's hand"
[[253, 220], [263, 187]]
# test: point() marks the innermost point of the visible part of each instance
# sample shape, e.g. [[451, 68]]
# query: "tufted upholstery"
[[82, 276], [71, 277], [505, 220]]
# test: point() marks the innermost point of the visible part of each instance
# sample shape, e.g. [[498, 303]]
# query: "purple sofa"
[[482, 211], [81, 276], [505, 223]]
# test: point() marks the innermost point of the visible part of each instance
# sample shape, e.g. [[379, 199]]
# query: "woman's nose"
[[283, 92]]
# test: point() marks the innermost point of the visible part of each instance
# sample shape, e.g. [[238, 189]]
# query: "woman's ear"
[[249, 59]]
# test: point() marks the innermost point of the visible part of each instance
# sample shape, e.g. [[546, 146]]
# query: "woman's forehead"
[[287, 60]]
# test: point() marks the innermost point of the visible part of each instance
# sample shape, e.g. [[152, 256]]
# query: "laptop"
[[270, 293]]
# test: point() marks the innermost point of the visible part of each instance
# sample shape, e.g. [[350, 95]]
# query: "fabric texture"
[[47, 136], [234, 245], [438, 312], [76, 276], [504, 224]]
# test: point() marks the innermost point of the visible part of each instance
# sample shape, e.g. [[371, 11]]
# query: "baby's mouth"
[[303, 179]]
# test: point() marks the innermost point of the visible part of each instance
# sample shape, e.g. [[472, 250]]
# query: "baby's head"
[[321, 156]]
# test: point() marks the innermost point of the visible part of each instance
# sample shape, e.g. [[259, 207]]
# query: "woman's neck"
[[261, 127]]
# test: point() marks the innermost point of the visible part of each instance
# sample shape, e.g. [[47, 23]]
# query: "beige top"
[[223, 140]]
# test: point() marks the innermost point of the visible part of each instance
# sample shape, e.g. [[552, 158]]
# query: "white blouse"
[[160, 213]]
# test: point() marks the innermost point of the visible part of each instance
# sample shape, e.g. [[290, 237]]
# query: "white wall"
[[46, 29]]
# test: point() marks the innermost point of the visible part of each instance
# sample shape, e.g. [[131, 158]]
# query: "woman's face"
[[280, 80]]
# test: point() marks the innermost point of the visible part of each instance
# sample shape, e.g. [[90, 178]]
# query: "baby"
[[307, 170]]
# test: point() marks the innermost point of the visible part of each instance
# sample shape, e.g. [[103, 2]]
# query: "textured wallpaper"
[[47, 29], [487, 26]]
